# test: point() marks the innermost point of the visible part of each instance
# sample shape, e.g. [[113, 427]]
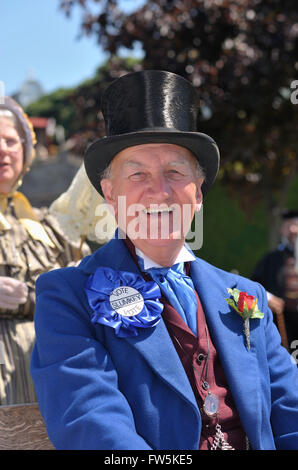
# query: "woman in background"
[[31, 243]]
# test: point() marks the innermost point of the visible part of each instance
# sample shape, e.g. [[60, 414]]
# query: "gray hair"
[[5, 113], [10, 109], [199, 170], [106, 173]]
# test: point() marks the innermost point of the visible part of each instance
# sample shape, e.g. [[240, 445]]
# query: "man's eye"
[[138, 176], [175, 174]]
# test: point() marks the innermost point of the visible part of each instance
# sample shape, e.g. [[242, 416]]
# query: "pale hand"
[[276, 304], [12, 293]]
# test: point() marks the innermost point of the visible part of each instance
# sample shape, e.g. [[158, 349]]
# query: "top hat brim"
[[101, 152]]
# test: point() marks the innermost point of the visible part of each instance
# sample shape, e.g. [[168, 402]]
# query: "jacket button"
[[200, 358]]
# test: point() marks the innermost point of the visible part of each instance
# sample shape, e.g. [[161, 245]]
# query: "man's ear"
[[107, 189], [199, 195]]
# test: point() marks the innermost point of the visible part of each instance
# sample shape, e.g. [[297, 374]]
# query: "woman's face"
[[11, 155]]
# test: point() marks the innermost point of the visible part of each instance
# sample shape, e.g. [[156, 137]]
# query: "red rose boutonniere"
[[247, 307]]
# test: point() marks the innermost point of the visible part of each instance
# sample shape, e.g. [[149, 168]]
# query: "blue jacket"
[[98, 391]]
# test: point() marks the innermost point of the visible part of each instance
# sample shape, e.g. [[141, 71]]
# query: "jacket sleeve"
[[284, 387], [74, 376]]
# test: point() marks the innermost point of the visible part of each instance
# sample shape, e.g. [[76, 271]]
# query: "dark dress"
[[276, 272]]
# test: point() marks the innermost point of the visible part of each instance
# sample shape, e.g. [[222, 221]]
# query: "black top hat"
[[151, 106]]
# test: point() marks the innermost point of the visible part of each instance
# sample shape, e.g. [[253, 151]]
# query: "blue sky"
[[37, 39]]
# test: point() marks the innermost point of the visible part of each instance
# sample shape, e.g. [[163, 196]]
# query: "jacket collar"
[[114, 255]]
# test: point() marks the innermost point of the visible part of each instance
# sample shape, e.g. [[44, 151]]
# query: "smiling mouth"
[[158, 210]]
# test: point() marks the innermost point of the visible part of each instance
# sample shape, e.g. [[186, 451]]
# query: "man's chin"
[[170, 240]]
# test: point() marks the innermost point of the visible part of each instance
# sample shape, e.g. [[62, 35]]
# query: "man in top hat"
[[277, 271], [144, 346]]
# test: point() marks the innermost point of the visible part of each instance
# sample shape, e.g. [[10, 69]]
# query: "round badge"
[[126, 301]]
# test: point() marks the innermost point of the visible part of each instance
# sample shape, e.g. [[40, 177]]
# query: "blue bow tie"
[[178, 289]]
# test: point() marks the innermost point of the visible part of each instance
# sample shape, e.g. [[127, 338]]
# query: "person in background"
[[277, 271], [143, 345], [31, 243]]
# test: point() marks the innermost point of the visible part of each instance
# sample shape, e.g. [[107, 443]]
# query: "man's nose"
[[159, 187], [293, 228]]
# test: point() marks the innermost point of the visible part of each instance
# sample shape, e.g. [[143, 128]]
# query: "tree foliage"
[[242, 57], [78, 109]]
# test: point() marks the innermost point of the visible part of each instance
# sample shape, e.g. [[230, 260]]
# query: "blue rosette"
[[123, 301]]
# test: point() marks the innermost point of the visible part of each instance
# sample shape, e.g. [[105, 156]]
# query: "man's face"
[[289, 229], [159, 191]]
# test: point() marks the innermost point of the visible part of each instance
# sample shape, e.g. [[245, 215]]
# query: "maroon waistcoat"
[[202, 364], [193, 352]]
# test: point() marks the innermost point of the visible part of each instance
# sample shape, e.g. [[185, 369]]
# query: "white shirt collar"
[[184, 255]]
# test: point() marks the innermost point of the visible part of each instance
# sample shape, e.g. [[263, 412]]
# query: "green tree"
[[77, 109], [242, 57]]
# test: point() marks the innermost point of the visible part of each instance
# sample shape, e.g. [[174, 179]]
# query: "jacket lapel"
[[226, 329], [159, 352], [154, 344]]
